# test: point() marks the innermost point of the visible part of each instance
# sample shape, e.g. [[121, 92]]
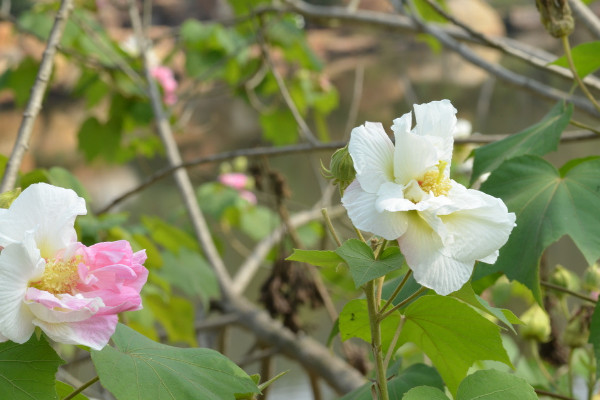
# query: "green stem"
[[376, 341], [570, 372], [330, 226], [410, 298], [584, 126], [390, 351], [569, 56], [82, 388], [540, 363], [396, 291], [564, 290]]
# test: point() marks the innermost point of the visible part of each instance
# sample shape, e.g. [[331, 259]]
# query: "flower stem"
[[330, 226], [82, 388], [569, 56], [410, 298], [584, 126], [396, 291], [376, 341]]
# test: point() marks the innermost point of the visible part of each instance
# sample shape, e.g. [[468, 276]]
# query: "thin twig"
[[82, 387], [359, 78], [174, 157], [569, 56], [390, 300], [330, 226], [402, 303], [584, 126], [570, 292], [502, 73], [554, 395], [35, 100]]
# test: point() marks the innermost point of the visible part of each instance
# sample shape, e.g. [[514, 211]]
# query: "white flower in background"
[[404, 192]]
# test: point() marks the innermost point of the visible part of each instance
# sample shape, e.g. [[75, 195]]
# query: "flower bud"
[[564, 278], [536, 324], [556, 17], [8, 197], [578, 329], [341, 169], [591, 278]]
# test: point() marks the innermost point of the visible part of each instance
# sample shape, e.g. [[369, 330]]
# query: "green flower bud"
[[556, 17], [536, 324], [591, 278], [341, 169], [578, 329], [8, 197], [564, 278]]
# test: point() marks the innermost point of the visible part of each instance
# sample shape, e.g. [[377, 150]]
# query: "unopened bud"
[[578, 329], [591, 278], [556, 17], [564, 278], [341, 169], [536, 324]]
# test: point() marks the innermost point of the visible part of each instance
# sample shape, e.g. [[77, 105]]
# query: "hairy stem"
[[376, 341]]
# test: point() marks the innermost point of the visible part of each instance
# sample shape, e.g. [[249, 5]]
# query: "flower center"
[[435, 181], [59, 276]]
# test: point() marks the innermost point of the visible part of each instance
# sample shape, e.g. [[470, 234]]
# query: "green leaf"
[[585, 58], [63, 390], [361, 261], [453, 336], [21, 79], [549, 204], [190, 272], [176, 315], [27, 370], [169, 236], [279, 127], [538, 139], [319, 258], [34, 176], [99, 139], [415, 375], [467, 295], [257, 221], [594, 338], [425, 392], [495, 385], [354, 322], [138, 368]]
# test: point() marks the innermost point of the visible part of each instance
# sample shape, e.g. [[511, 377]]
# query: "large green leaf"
[[467, 295], [361, 261], [319, 258], [415, 375], [279, 127], [585, 58], [354, 322], [453, 336], [99, 139], [175, 314], [425, 392], [138, 368], [494, 385], [549, 204], [27, 370], [169, 236], [594, 338], [538, 139]]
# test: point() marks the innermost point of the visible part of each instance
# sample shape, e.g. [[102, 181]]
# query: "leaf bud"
[[564, 278], [536, 324], [8, 197], [341, 169], [556, 17]]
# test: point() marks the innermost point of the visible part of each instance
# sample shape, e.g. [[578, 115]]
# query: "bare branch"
[[586, 15], [35, 100], [181, 176]]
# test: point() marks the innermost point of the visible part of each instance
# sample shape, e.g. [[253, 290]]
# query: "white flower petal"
[[64, 308], [413, 156], [437, 119], [362, 210], [48, 210], [372, 152], [478, 229], [424, 253], [19, 263], [390, 197], [491, 258]]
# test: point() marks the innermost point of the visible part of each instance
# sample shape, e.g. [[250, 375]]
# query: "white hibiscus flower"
[[404, 192]]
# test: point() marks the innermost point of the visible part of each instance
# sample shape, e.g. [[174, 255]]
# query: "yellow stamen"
[[435, 181], [59, 277]]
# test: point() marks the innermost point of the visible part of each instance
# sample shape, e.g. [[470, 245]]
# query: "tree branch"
[[35, 100], [586, 15]]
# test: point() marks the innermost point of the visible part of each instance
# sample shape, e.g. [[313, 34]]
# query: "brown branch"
[[35, 100], [586, 15]]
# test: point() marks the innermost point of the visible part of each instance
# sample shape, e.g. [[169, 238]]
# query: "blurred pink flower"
[[166, 79], [48, 279], [235, 180], [248, 196]]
